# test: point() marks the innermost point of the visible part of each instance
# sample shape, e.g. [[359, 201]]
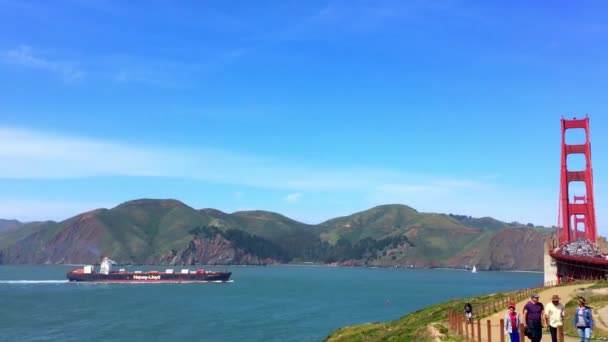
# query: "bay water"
[[278, 303]]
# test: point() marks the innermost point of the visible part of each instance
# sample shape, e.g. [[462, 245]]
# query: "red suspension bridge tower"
[[582, 210], [576, 254]]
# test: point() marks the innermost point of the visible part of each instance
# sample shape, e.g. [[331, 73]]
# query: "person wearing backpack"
[[468, 311]]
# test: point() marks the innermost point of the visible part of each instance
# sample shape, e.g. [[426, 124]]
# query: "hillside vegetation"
[[170, 232]]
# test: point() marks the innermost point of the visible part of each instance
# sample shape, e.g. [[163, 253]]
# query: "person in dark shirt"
[[468, 311], [534, 311]]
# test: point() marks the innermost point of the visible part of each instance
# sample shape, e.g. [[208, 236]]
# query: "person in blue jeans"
[[534, 311], [512, 321], [583, 320]]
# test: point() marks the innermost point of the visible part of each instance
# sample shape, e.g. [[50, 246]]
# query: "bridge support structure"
[[574, 254], [580, 211]]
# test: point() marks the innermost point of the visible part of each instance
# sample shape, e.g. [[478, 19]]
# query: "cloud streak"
[[293, 198], [24, 56], [123, 69], [27, 154]]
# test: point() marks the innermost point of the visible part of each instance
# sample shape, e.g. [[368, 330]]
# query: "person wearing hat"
[[583, 320], [534, 312], [554, 316], [512, 321]]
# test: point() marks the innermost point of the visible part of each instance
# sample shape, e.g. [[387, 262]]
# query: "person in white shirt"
[[554, 316]]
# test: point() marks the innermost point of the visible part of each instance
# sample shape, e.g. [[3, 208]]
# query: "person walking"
[[512, 321], [554, 316], [468, 311], [534, 311], [583, 320]]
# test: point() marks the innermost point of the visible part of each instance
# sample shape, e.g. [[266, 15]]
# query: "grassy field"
[[428, 324], [595, 301]]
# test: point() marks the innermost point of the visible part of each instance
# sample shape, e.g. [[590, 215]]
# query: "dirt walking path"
[[564, 292]]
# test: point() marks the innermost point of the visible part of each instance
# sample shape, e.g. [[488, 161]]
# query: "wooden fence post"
[[522, 337], [489, 331], [472, 329], [560, 334], [502, 324], [466, 328], [459, 325], [451, 327], [479, 330]]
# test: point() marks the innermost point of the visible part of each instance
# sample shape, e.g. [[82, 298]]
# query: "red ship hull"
[[148, 277]]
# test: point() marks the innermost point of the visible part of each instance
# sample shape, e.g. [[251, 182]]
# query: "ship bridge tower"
[[106, 266]]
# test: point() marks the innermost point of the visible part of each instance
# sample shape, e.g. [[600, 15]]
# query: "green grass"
[[600, 285], [414, 326], [594, 301]]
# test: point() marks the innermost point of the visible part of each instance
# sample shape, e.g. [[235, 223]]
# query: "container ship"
[[107, 275]]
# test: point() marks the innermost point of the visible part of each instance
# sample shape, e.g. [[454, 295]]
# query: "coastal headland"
[[169, 232]]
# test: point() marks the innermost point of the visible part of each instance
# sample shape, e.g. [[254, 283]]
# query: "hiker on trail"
[[534, 312], [554, 316], [512, 321], [468, 311], [583, 320]]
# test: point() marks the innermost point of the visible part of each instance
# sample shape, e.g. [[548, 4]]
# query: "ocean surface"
[[279, 303]]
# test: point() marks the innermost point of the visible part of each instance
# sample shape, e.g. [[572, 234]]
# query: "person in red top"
[[512, 321]]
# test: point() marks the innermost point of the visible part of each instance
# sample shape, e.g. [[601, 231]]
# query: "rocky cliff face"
[[211, 251], [514, 249]]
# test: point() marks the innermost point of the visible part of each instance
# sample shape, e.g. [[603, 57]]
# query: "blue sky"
[[312, 109]]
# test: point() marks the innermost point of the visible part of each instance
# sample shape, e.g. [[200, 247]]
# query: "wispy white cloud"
[[338, 18], [461, 184], [27, 154], [293, 198], [24, 56], [492, 176], [123, 68], [127, 69], [145, 75]]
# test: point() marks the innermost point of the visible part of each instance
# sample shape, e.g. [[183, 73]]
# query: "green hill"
[[171, 232]]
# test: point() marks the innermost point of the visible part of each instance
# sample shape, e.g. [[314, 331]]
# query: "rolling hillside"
[[170, 232]]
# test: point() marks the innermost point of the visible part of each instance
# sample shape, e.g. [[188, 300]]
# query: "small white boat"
[[474, 270]]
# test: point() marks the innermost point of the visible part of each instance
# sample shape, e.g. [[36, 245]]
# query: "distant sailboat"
[[474, 269]]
